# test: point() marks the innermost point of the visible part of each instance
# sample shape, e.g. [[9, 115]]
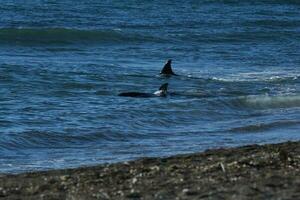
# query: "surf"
[[270, 102]]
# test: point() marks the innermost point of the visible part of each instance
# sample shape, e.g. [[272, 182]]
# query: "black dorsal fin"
[[167, 69]]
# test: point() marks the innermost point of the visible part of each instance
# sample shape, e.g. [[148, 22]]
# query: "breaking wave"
[[270, 102]]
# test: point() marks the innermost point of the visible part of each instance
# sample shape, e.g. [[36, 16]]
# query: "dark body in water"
[[136, 94], [162, 92]]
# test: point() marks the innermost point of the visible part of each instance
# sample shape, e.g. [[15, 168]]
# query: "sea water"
[[63, 64]]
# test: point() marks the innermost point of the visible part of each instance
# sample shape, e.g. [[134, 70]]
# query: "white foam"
[[258, 76], [266, 101]]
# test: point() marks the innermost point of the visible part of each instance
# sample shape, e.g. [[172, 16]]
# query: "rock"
[[134, 180], [189, 192]]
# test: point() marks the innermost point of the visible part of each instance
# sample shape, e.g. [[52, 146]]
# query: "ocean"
[[63, 64]]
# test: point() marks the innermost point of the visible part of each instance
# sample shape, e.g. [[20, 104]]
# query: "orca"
[[167, 69], [161, 92]]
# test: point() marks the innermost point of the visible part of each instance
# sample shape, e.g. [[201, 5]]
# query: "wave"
[[265, 126], [270, 102], [30, 36], [40, 139], [256, 77]]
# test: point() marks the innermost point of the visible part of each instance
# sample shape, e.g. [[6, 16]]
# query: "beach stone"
[[187, 191], [134, 180], [133, 194]]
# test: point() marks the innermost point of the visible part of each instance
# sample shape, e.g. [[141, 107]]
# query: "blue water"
[[63, 64]]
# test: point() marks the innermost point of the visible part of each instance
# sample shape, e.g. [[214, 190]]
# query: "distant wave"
[[286, 78], [29, 36], [266, 102]]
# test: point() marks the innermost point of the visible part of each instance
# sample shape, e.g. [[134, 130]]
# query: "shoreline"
[[270, 171]]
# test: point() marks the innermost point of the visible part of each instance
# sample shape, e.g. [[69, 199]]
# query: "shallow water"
[[62, 66]]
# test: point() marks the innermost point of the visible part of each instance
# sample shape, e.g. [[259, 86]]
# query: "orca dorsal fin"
[[167, 69], [164, 87], [162, 91]]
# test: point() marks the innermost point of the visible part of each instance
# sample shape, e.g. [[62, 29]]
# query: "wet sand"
[[251, 172]]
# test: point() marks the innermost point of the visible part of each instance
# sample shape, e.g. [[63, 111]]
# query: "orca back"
[[162, 92], [135, 94]]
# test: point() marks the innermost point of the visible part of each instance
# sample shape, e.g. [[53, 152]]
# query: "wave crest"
[[29, 36], [266, 102]]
